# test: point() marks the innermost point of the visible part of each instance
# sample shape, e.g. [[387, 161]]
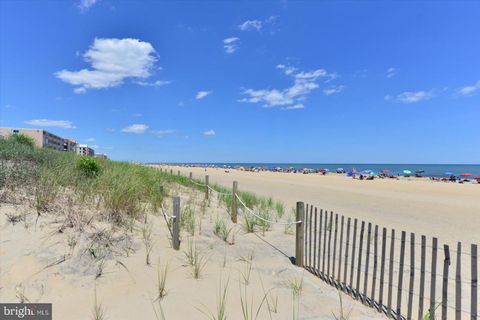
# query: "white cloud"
[[112, 61], [90, 139], [304, 83], [158, 83], [294, 107], [410, 97], [95, 146], [202, 94], [137, 115], [163, 133], [251, 25], [51, 123], [391, 72], [135, 128], [287, 69], [332, 90], [469, 90], [84, 5], [230, 45], [209, 133]]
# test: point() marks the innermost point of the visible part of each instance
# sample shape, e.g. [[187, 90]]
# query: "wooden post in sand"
[[299, 234], [206, 187], [234, 202], [171, 171], [178, 172], [190, 176], [176, 223]]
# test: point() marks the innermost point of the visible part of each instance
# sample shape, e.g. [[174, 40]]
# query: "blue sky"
[[270, 81]]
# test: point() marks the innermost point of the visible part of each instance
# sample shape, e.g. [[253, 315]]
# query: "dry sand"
[[448, 211], [41, 264]]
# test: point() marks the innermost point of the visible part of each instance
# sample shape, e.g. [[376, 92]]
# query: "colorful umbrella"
[[407, 171], [385, 171], [467, 174]]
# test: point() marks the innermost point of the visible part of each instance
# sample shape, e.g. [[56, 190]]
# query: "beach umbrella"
[[407, 171], [466, 174], [385, 171], [420, 171], [449, 173]]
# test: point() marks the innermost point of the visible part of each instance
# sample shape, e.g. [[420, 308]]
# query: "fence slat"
[[324, 242], [412, 276], [390, 274], [334, 247], [315, 242], [359, 263], [330, 224], [382, 269], [422, 277], [375, 263], [433, 279], [474, 290], [446, 265], [400, 274], [345, 267], [340, 251], [310, 237], [458, 283], [365, 281], [305, 236], [352, 265], [320, 240]]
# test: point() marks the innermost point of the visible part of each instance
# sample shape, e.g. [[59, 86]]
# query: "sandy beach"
[[40, 264], [448, 211]]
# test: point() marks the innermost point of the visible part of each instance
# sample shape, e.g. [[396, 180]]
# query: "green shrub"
[[23, 139], [88, 166]]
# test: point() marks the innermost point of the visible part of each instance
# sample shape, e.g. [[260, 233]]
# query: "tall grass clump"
[[221, 230], [221, 308], [195, 259], [187, 219]]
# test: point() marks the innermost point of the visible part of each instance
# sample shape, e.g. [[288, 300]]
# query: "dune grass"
[[124, 190]]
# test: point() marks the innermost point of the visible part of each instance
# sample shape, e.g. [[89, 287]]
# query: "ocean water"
[[431, 170]]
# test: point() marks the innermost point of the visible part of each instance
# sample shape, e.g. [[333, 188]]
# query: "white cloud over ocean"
[[202, 94], [410, 96], [292, 97], [64, 124], [230, 45], [112, 61], [135, 128]]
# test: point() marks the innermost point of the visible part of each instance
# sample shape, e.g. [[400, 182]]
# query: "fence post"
[[299, 234], [234, 202], [190, 176], [474, 284], [176, 223], [171, 171], [206, 187], [446, 265], [178, 172]]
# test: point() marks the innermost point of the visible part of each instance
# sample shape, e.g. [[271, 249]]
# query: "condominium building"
[[85, 150], [69, 145], [42, 138]]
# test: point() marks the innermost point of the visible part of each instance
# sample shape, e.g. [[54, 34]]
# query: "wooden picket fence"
[[404, 277]]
